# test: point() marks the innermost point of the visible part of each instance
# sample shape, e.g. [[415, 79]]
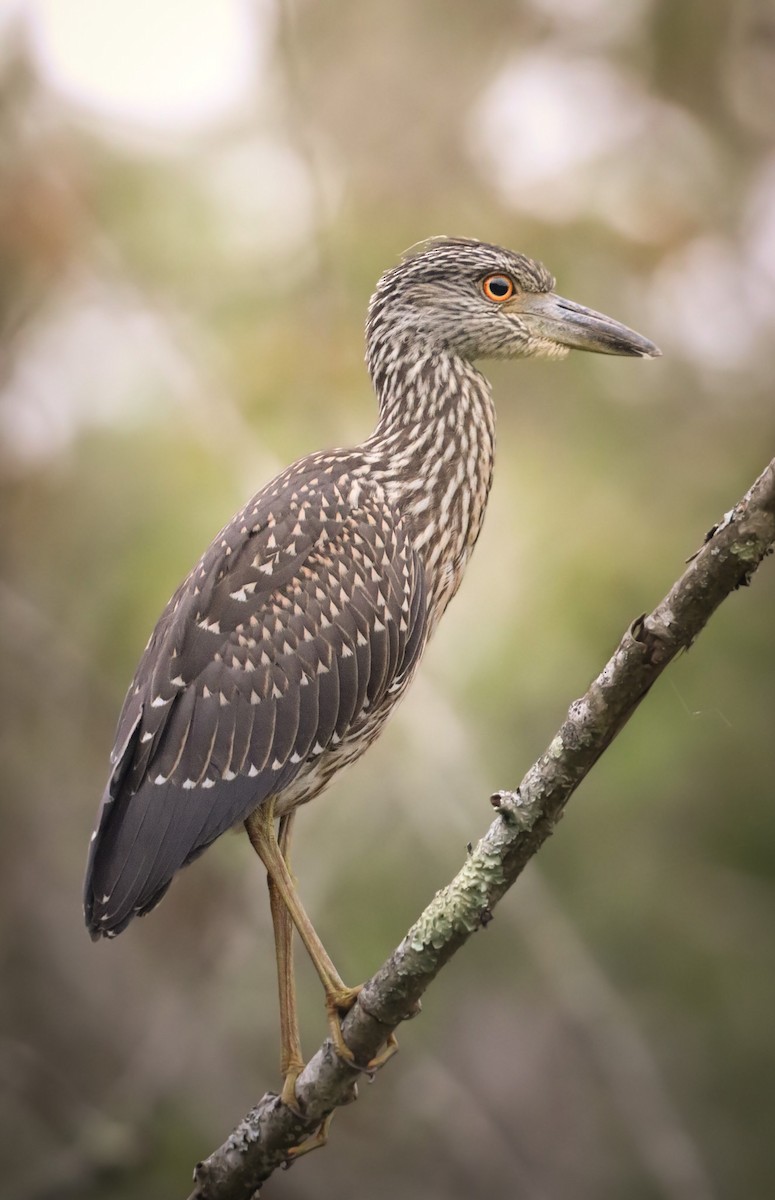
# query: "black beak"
[[569, 324]]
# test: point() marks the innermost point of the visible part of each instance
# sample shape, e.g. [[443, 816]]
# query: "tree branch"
[[731, 553]]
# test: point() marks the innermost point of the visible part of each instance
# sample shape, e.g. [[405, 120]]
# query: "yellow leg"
[[291, 1060], [339, 998]]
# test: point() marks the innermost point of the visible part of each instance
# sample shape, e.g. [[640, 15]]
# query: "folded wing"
[[300, 618]]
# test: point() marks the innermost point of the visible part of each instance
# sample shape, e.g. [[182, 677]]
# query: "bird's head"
[[481, 301]]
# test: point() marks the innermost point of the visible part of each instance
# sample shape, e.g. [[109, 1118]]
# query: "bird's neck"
[[433, 451]]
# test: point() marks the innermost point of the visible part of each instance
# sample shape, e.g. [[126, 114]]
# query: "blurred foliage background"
[[195, 202]]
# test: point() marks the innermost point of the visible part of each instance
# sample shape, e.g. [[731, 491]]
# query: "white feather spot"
[[159, 702], [208, 783], [246, 590]]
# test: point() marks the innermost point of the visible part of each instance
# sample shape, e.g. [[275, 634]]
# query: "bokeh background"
[[196, 198]]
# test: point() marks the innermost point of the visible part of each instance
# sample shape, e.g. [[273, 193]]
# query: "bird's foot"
[[288, 1097], [316, 1142], [338, 1004], [379, 1060], [288, 1094]]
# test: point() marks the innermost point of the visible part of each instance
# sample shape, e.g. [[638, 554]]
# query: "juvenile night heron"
[[280, 657]]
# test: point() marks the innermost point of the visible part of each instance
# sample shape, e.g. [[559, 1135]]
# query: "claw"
[[379, 1060], [338, 1004], [316, 1142]]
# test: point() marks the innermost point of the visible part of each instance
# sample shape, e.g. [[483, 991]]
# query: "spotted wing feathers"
[[288, 636]]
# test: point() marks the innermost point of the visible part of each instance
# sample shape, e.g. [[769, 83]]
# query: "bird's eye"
[[498, 288]]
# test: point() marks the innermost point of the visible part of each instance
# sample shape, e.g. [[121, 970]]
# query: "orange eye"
[[498, 288]]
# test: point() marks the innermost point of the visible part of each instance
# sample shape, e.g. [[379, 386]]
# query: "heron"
[[282, 654]]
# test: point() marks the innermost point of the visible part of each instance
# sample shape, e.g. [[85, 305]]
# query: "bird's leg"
[[345, 995], [291, 1060], [339, 998]]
